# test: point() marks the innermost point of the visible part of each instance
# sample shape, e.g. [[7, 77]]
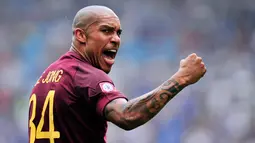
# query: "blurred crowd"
[[157, 34]]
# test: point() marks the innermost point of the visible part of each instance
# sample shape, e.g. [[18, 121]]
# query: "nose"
[[115, 40]]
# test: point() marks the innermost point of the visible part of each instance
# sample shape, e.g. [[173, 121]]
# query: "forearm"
[[140, 110], [129, 115]]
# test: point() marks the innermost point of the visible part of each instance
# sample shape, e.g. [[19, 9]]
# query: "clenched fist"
[[191, 70]]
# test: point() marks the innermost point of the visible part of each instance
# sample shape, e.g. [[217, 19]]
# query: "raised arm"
[[136, 112]]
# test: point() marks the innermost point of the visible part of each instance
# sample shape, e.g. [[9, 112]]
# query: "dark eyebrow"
[[110, 27], [107, 26]]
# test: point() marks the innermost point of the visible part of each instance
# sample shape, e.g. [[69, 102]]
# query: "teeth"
[[114, 51]]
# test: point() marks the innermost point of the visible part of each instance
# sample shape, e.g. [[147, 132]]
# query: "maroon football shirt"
[[67, 102]]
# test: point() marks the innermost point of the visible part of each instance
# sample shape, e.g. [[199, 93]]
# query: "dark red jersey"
[[67, 102]]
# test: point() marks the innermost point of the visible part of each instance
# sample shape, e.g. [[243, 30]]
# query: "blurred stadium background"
[[157, 35]]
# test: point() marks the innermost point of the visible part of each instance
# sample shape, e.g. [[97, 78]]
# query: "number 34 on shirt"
[[36, 132]]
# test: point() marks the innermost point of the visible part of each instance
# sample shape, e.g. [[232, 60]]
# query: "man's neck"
[[76, 50]]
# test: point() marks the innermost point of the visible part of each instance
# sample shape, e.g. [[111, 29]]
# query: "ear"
[[79, 34]]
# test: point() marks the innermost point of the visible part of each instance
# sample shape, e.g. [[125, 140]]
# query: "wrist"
[[180, 80]]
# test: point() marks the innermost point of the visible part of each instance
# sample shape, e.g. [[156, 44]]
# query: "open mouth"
[[110, 53], [109, 56]]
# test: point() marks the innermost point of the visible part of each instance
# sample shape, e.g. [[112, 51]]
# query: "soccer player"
[[74, 98]]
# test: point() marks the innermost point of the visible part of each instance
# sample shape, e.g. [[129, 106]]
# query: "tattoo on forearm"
[[147, 106], [140, 110], [159, 99]]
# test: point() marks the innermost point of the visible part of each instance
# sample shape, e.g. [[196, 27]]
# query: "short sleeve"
[[106, 93]]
